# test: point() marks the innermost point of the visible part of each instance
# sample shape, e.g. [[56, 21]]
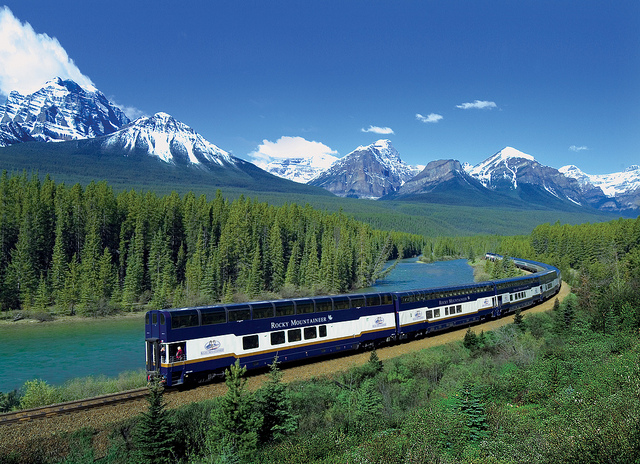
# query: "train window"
[[341, 303], [239, 313], [294, 335], [429, 314], [436, 312], [262, 311], [324, 305], [183, 319], [250, 342], [446, 311], [386, 299], [277, 338], [322, 330], [285, 308], [155, 318], [146, 318], [213, 316], [373, 300], [310, 332], [357, 302], [162, 319], [304, 307], [459, 309]]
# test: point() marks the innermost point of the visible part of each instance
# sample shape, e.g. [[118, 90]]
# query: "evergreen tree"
[[153, 439], [274, 404], [369, 407], [518, 320], [276, 258], [470, 341], [235, 423], [254, 280], [71, 292], [375, 362], [292, 276]]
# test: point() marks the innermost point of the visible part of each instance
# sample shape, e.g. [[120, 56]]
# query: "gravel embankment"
[[22, 438]]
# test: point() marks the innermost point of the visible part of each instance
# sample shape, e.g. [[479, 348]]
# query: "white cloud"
[[432, 117], [575, 148], [288, 147], [28, 59], [478, 104], [378, 130], [132, 112]]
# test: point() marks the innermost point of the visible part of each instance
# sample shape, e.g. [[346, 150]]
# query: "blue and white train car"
[[424, 311], [195, 344]]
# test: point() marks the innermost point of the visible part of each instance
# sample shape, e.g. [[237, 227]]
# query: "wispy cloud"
[[132, 112], [288, 147], [30, 59], [578, 148], [430, 118], [478, 105], [378, 130]]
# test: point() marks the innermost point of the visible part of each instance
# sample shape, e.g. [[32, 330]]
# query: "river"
[[59, 352]]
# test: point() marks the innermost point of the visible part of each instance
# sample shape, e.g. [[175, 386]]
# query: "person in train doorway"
[[163, 353], [179, 354]]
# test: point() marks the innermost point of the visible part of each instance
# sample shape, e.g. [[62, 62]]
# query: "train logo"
[[379, 322], [418, 315], [212, 345]]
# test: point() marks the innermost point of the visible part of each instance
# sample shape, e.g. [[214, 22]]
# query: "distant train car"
[[196, 344]]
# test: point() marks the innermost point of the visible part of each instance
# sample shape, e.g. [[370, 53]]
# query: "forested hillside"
[[89, 250]]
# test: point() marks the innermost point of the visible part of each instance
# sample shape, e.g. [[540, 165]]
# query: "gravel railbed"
[[23, 437]]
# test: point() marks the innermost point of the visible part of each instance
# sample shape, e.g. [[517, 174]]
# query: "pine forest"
[[89, 251]]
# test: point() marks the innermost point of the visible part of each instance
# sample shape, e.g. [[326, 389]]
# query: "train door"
[[153, 354]]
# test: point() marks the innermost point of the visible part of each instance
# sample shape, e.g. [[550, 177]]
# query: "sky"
[[559, 80]]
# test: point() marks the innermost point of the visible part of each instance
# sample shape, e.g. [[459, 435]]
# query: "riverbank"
[[29, 318]]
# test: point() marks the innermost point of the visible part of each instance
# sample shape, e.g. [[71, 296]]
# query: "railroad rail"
[[26, 415]]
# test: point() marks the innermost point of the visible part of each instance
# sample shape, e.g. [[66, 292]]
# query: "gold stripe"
[[273, 350]]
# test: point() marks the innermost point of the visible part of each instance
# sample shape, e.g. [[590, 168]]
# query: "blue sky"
[[559, 80]]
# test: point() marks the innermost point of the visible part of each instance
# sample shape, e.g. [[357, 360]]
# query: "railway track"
[[27, 415]]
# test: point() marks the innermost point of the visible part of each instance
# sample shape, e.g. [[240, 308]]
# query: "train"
[[197, 344]]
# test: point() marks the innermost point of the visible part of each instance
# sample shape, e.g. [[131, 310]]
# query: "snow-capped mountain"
[[621, 188], [299, 169], [517, 173], [61, 110], [168, 139], [367, 172]]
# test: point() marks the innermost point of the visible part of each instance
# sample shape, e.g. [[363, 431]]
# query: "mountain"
[[519, 175], [621, 189], [167, 139], [94, 140], [61, 110], [367, 172], [299, 169], [447, 182]]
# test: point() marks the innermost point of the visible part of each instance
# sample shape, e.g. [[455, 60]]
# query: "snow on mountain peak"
[[63, 110], [611, 184], [504, 164], [510, 152], [163, 136]]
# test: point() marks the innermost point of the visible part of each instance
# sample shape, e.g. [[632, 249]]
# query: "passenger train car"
[[196, 344]]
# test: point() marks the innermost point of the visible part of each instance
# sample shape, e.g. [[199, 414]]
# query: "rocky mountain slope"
[[61, 110], [367, 172]]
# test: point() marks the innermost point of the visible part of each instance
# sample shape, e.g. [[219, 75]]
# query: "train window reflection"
[[294, 335], [277, 338]]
